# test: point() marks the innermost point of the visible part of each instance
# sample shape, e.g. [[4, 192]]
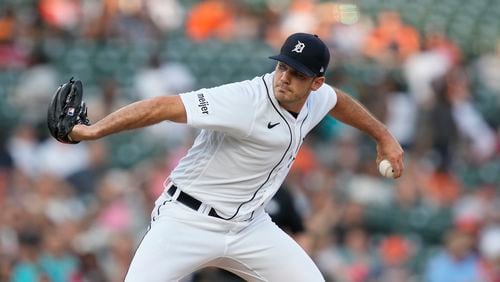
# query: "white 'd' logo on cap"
[[299, 47]]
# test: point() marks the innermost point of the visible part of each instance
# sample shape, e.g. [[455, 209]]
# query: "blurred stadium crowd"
[[428, 69]]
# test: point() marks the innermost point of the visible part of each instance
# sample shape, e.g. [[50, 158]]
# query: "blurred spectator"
[[396, 252], [27, 268], [50, 153], [470, 212], [88, 270], [125, 20], [98, 18], [57, 261], [439, 127], [441, 188], [9, 228], [56, 200], [118, 202], [488, 69], [455, 120], [117, 209], [283, 212], [36, 86], [493, 209], [166, 14], [352, 217], [22, 146], [392, 42], [165, 78], [62, 14], [5, 268], [11, 53], [469, 121], [489, 247], [436, 40], [108, 99], [352, 261], [300, 16], [7, 25], [367, 187], [6, 161], [455, 263], [306, 181], [401, 118], [437, 57], [349, 39], [134, 24], [85, 181], [211, 18], [118, 260]]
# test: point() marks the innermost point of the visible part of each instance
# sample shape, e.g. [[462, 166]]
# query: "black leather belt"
[[189, 201]]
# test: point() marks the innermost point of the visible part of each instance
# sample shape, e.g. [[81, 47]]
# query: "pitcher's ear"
[[317, 83]]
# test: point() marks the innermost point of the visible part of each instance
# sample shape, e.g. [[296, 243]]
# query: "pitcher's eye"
[[300, 76]]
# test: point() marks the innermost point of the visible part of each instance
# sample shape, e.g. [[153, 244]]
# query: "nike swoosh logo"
[[271, 125]]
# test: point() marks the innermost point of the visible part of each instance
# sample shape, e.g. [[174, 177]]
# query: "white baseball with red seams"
[[385, 169]]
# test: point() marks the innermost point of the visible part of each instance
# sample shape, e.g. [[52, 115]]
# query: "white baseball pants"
[[181, 241]]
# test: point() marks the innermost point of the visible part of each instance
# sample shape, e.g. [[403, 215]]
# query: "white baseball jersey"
[[247, 143]]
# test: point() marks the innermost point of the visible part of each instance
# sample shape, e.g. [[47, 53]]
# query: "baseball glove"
[[66, 110]]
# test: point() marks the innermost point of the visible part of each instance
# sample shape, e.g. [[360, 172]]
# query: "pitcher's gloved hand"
[[66, 110]]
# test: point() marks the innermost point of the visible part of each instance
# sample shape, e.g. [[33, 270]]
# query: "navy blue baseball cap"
[[306, 53]]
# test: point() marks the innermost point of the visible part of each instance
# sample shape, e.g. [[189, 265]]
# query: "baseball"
[[385, 168]]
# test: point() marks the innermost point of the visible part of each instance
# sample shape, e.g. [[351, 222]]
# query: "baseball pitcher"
[[211, 212]]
